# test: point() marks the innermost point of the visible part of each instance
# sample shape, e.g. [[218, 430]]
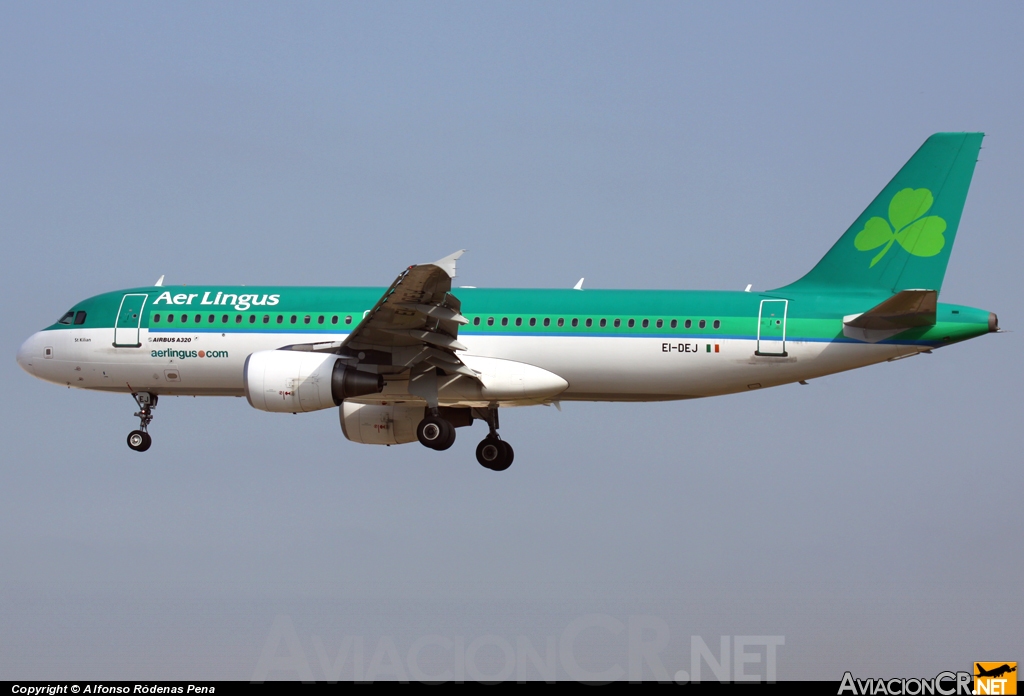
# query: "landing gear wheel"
[[494, 454], [435, 433], [451, 437], [488, 452], [507, 455], [139, 440]]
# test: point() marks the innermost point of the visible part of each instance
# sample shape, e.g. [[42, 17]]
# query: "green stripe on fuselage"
[[810, 317]]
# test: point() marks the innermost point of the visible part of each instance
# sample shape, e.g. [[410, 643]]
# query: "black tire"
[[507, 455], [450, 440], [435, 433], [489, 452], [494, 454], [139, 440]]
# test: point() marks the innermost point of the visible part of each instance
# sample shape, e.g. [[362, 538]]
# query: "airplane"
[[419, 359], [996, 672]]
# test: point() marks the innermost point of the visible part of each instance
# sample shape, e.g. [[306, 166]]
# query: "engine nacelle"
[[291, 381], [380, 424]]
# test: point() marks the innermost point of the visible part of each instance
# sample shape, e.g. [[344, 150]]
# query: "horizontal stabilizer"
[[904, 310]]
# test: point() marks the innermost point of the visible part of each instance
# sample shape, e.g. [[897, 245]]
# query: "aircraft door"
[[129, 319], [771, 328]]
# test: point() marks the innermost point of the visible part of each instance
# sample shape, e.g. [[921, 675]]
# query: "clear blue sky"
[[872, 518]]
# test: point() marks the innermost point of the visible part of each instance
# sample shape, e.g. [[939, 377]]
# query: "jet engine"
[[290, 381], [390, 423], [380, 424]]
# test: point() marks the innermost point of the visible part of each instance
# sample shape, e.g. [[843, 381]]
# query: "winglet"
[[447, 264], [579, 285], [159, 283]]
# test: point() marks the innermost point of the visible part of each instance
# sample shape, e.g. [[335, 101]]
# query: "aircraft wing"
[[415, 324]]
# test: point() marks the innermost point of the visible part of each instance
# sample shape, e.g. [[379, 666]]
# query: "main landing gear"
[[435, 432], [493, 453], [140, 440]]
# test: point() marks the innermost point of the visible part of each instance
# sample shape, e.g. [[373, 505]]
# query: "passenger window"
[[238, 318], [674, 323], [224, 319], [266, 318], [320, 319], [645, 323], [617, 323], [717, 324], [547, 321], [67, 318], [702, 323], [199, 318], [156, 318], [280, 319], [504, 321], [252, 318], [211, 318], [490, 321], [306, 319], [575, 322], [590, 322], [476, 321], [561, 322], [688, 324], [519, 321], [334, 319], [184, 318], [294, 318], [170, 318], [348, 320], [632, 323], [604, 323], [660, 324], [533, 321]]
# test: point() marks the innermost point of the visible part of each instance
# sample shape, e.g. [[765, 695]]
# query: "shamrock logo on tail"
[[920, 236]]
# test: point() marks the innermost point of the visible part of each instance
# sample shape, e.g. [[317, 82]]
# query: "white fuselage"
[[595, 368]]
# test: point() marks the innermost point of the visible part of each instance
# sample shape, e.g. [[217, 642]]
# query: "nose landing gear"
[[140, 440]]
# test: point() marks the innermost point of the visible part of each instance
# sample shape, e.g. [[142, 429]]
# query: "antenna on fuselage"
[[159, 283], [749, 285], [579, 285]]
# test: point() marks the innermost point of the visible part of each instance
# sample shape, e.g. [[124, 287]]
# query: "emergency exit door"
[[129, 319], [771, 328]]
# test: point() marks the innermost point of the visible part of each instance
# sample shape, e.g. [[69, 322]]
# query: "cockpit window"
[[79, 318], [67, 318]]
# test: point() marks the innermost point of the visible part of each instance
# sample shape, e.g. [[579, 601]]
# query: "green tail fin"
[[903, 239]]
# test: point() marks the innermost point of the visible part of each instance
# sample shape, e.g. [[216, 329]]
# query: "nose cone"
[[26, 355]]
